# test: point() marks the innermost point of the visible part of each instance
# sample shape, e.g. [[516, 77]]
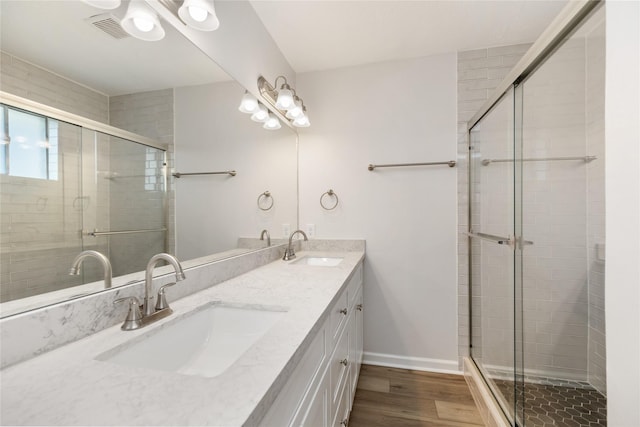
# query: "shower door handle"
[[509, 240]]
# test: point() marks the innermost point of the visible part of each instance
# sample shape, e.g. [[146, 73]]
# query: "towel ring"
[[329, 193], [265, 195]]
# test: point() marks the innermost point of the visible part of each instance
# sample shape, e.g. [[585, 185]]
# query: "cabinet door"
[[317, 413]]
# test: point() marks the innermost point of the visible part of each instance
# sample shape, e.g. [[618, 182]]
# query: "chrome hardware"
[[586, 159], [509, 240], [265, 195], [161, 300], [134, 315], [268, 237], [450, 163], [148, 277], [96, 233], [106, 265], [329, 193], [345, 422], [178, 174], [344, 311], [359, 307], [289, 253], [344, 362]]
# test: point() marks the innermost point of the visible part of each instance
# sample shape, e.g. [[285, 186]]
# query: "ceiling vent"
[[107, 23]]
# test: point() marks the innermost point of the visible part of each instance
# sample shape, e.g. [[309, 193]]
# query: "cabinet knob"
[[344, 311], [344, 422], [344, 362], [359, 307]]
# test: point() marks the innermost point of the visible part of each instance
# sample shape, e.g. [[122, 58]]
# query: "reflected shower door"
[[126, 182]]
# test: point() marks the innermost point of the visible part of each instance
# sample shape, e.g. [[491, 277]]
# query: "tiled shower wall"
[[31, 218], [479, 73], [44, 213]]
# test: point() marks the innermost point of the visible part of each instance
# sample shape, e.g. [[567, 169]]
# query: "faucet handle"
[[161, 301], [134, 315]]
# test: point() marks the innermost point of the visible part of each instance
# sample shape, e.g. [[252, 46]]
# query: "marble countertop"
[[68, 386]]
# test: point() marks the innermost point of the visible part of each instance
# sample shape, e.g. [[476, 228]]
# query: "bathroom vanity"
[[287, 351]]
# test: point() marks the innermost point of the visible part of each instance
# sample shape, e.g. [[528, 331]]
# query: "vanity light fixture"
[[285, 100], [104, 4], [199, 14], [141, 22]]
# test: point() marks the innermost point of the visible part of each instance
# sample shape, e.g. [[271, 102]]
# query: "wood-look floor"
[[390, 397]]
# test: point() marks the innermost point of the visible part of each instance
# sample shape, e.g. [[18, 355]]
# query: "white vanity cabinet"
[[320, 391]]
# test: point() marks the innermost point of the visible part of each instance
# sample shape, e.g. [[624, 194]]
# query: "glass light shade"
[[295, 111], [141, 22], [249, 103], [261, 115], [302, 122], [104, 4], [285, 99], [199, 14], [272, 123]]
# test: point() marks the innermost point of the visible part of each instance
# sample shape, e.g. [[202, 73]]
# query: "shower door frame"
[[573, 15]]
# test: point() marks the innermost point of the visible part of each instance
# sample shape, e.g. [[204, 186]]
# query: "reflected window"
[[29, 145]]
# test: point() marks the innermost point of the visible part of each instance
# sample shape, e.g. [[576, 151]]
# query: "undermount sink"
[[205, 343], [319, 261]]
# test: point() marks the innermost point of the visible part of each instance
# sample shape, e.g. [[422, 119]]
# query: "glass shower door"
[[493, 258]]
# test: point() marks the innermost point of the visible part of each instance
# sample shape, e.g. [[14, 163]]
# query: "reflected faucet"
[[289, 253], [106, 265], [268, 237], [148, 308]]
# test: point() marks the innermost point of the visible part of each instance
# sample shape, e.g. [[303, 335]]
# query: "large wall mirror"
[[65, 188]]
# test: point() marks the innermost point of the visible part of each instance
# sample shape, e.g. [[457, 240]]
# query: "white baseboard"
[[416, 363]]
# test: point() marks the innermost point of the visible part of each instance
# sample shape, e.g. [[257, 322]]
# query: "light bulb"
[[261, 115], [285, 98], [249, 103], [302, 122], [198, 14], [143, 24], [296, 110], [272, 123]]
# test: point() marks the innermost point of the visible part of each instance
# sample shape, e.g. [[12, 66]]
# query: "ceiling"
[[325, 34], [56, 36], [313, 35]]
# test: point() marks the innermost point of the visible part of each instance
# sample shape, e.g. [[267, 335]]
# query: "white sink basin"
[[319, 261], [204, 343]]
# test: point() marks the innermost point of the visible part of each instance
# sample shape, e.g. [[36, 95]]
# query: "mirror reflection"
[[67, 189]]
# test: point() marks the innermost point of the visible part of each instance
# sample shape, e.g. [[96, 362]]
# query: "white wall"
[[392, 112], [622, 133], [212, 135]]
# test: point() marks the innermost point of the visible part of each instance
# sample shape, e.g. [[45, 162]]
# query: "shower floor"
[[559, 404]]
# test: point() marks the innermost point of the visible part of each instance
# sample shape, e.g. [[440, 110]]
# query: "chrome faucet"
[[268, 237], [106, 265], [289, 253], [149, 309]]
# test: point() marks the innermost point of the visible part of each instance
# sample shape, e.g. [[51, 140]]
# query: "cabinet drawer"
[[338, 366]]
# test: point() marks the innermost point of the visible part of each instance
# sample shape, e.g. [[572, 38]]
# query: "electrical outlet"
[[311, 230], [286, 231]]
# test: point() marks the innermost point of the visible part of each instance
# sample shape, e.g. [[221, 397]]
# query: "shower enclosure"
[[66, 188], [536, 237]]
